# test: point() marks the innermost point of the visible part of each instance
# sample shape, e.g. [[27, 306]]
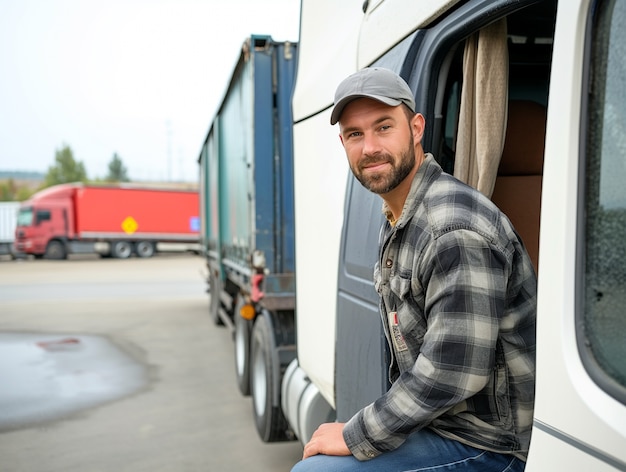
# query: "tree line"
[[65, 169]]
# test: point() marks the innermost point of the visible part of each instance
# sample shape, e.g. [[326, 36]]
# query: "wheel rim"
[[122, 249], [240, 347], [55, 250], [259, 383], [144, 249]]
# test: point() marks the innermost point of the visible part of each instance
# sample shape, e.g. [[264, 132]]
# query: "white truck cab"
[[554, 101]]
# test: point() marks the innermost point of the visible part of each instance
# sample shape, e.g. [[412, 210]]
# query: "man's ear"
[[341, 139], [417, 127]]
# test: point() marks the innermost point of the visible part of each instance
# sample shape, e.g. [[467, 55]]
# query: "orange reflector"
[[247, 312]]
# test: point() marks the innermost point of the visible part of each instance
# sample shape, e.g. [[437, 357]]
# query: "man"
[[457, 299]]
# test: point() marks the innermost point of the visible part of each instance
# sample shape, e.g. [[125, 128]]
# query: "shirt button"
[[388, 263], [370, 454]]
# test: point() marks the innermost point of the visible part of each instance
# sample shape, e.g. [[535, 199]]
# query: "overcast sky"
[[140, 78]]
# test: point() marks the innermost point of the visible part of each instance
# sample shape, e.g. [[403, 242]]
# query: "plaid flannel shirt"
[[458, 303]]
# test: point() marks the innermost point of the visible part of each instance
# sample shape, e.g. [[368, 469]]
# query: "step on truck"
[[247, 223], [555, 108], [111, 220]]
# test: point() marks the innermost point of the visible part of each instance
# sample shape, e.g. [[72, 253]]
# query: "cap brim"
[[341, 104]]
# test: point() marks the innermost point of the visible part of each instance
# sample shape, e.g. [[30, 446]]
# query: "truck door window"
[[42, 215], [530, 32], [496, 91], [603, 317]]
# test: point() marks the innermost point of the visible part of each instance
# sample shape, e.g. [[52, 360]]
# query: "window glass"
[[605, 212], [25, 217], [42, 215]]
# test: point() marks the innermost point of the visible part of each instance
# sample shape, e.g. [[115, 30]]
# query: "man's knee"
[[306, 465], [311, 464], [327, 464]]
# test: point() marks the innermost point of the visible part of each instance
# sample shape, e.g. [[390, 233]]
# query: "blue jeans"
[[422, 451]]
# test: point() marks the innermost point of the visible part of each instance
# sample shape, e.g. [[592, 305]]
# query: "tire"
[[121, 249], [55, 250], [144, 249], [215, 287], [242, 335], [269, 419]]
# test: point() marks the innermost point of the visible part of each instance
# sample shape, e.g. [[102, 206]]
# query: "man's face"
[[378, 142]]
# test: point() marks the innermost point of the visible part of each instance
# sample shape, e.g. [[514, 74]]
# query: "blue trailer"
[[247, 222]]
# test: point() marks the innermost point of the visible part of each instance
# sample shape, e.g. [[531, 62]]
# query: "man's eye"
[[354, 134], [385, 127]]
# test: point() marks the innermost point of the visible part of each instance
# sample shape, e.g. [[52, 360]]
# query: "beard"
[[385, 182]]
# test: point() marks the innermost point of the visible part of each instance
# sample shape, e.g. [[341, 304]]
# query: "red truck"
[[114, 221]]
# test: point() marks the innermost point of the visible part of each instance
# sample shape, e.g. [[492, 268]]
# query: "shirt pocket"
[[411, 323]]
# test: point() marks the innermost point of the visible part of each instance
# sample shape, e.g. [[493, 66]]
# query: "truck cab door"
[[427, 50]]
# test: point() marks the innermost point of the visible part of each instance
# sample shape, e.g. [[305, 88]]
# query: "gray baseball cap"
[[376, 83]]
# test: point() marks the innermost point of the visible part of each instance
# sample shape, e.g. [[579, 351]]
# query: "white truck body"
[[324, 177], [8, 221]]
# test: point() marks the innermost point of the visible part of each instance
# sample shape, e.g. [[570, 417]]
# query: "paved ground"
[[188, 416]]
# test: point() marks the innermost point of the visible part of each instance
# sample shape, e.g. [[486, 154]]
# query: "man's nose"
[[371, 144]]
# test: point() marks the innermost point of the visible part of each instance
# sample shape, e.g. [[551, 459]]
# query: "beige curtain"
[[482, 120]]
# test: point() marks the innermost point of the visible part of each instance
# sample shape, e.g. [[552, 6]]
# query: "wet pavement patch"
[[44, 377]]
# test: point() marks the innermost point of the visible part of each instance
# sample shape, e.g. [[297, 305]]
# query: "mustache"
[[374, 160]]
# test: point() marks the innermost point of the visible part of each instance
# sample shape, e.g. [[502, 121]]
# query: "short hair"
[[408, 112]]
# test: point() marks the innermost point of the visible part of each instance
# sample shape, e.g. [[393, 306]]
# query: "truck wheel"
[[269, 419], [144, 249], [243, 329], [121, 249], [215, 287], [55, 250]]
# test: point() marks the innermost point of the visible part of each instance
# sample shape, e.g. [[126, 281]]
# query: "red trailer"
[[112, 220]]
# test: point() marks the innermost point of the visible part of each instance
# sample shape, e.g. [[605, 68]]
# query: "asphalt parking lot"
[[114, 365]]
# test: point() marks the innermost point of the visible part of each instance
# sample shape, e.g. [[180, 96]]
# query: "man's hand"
[[328, 440]]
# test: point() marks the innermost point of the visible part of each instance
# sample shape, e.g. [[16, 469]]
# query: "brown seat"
[[517, 191]]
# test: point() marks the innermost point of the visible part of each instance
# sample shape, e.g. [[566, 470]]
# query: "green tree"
[[7, 190], [117, 171], [66, 169], [11, 191], [24, 193]]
